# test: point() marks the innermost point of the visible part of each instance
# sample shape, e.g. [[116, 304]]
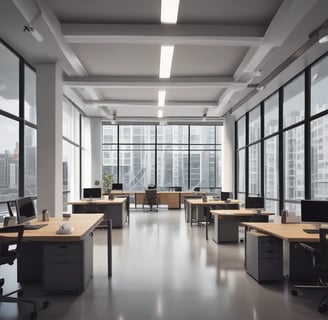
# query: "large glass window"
[[319, 84], [254, 127], [241, 129], [319, 158], [241, 175], [30, 95], [71, 153], [254, 170], [271, 115], [294, 164], [30, 176], [180, 155], [9, 158], [9, 81], [294, 101]]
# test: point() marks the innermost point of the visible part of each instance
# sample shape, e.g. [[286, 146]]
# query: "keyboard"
[[312, 231], [34, 226]]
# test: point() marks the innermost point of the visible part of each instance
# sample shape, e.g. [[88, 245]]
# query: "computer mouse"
[[65, 228]]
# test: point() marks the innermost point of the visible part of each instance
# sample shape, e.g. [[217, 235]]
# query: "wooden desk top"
[[82, 223], [292, 232], [240, 212], [200, 202], [98, 201]]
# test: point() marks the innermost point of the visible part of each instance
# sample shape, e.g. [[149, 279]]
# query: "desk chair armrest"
[[309, 248]]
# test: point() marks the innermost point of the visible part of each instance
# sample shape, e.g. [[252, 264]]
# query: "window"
[[241, 173], [294, 163], [254, 170], [173, 155], [71, 152], [271, 115], [30, 171], [319, 156], [30, 95], [9, 81], [319, 84], [294, 101], [254, 125], [241, 129], [9, 158]]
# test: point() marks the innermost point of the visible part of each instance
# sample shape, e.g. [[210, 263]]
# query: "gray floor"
[[164, 269]]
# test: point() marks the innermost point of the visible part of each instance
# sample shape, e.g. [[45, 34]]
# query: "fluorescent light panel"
[[166, 61], [169, 11], [161, 98], [160, 113]]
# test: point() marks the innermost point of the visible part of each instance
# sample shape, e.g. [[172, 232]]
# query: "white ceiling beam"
[[146, 103], [287, 18], [148, 82], [164, 34]]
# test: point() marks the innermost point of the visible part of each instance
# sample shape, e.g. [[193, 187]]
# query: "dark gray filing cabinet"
[[264, 258], [67, 266]]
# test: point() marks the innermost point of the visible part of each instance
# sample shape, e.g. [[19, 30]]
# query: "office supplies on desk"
[[311, 231], [65, 228], [34, 226]]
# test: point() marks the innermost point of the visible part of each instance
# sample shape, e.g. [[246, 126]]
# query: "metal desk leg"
[[206, 225], [109, 247]]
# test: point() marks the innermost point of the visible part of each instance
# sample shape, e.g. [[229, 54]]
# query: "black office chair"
[[150, 199], [319, 261], [9, 251]]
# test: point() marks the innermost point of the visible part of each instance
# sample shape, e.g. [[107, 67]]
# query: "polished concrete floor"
[[164, 269]]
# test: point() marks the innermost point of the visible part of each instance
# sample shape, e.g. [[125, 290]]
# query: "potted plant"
[[107, 183]]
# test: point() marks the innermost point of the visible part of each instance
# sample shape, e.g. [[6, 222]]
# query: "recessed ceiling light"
[[166, 61], [169, 11], [161, 98], [323, 35], [160, 113]]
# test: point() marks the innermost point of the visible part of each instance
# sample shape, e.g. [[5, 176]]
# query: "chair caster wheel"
[[34, 315], [45, 304], [294, 293], [322, 308]]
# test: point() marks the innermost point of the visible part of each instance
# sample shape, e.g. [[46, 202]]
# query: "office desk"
[[172, 199], [115, 210], [193, 207], [62, 263], [226, 223], [296, 265]]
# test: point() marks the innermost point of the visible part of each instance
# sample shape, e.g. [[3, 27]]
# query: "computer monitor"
[[175, 189], [117, 186], [315, 211], [91, 193], [25, 210], [254, 203], [226, 195]]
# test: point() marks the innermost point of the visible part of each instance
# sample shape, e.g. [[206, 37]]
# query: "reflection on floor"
[[165, 269]]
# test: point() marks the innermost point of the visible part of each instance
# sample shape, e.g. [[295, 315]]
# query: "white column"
[[96, 159], [228, 159], [49, 143]]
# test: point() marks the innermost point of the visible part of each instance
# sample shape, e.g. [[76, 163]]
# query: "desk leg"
[[206, 225], [109, 247]]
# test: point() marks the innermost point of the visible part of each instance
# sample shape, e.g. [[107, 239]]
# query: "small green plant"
[[107, 182], [97, 183]]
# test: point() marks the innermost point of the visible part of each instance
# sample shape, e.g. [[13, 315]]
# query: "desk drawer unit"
[[67, 265], [264, 260]]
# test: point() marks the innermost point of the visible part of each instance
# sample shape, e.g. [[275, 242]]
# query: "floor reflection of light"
[[254, 314], [159, 306], [120, 317]]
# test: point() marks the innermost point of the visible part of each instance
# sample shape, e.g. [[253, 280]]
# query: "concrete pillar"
[[49, 142], [96, 153], [228, 159]]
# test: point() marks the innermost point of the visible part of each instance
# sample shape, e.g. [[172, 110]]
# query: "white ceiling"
[[109, 50]]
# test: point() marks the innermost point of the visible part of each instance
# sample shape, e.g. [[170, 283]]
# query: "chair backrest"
[[323, 232], [151, 195], [10, 246], [196, 189]]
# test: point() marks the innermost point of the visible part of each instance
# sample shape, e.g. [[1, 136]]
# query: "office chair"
[[319, 261], [9, 251], [150, 199]]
